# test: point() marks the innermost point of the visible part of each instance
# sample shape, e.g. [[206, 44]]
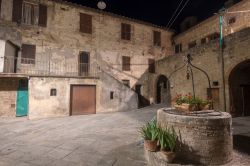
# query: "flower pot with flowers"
[[190, 103]]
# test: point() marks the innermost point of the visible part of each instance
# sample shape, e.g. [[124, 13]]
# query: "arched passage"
[[239, 84], [162, 90]]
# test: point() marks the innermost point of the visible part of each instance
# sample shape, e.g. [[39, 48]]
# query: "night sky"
[[158, 12]]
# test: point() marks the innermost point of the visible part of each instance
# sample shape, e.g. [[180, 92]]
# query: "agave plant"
[[150, 131], [167, 139]]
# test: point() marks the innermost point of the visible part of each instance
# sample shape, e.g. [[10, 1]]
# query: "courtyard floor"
[[102, 139]]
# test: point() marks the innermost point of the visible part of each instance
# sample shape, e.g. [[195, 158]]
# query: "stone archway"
[[239, 89], [162, 90]]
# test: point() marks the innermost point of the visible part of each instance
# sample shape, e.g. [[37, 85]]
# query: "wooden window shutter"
[[126, 63], [42, 15], [85, 23], [28, 54], [0, 5], [151, 65], [125, 31], [17, 11], [157, 38]]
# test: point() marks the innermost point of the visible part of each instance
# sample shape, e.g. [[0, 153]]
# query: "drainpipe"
[[221, 13]]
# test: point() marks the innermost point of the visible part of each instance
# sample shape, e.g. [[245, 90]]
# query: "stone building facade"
[[202, 43], [57, 47]]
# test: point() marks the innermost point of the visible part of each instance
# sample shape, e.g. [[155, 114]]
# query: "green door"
[[22, 99]]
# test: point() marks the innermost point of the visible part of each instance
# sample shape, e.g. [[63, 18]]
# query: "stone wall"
[[8, 92], [211, 25], [207, 58], [42, 105]]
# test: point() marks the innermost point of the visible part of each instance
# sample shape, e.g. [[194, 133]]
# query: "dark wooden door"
[[83, 99], [83, 64], [246, 95]]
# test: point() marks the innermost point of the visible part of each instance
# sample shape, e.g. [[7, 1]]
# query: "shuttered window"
[[192, 44], [30, 13], [17, 11], [126, 83], [151, 65], [125, 31], [157, 38], [85, 23], [178, 48], [126, 63], [28, 54], [42, 15], [0, 5]]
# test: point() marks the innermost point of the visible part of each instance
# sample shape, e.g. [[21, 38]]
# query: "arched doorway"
[[239, 84], [162, 90]]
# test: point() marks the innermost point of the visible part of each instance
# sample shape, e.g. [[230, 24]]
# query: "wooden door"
[[246, 100], [83, 64], [83, 99], [215, 92]]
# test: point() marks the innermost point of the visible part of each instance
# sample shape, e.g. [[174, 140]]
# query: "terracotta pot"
[[168, 156], [186, 107], [150, 145], [206, 107]]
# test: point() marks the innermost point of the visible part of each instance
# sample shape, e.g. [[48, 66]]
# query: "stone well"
[[204, 138]]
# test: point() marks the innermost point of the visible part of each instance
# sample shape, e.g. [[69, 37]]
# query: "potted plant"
[[149, 133], [167, 140], [190, 103]]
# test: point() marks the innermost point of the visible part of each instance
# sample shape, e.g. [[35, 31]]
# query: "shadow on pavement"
[[241, 143]]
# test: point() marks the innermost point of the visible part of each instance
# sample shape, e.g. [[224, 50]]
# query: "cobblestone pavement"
[[102, 139]]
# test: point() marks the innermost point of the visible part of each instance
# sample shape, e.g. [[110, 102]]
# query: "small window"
[[151, 65], [30, 13], [232, 20], [52, 92], [214, 36], [85, 23], [157, 38], [203, 40], [111, 95], [28, 54], [126, 83], [178, 48], [126, 63], [192, 44], [125, 31]]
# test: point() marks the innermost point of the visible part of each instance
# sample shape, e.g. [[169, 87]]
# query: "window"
[[0, 6], [30, 13], [178, 48], [126, 63], [157, 38], [151, 65], [192, 44], [111, 95], [214, 36], [232, 20], [28, 54], [83, 63], [126, 83], [125, 31], [203, 40], [85, 23], [52, 92]]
